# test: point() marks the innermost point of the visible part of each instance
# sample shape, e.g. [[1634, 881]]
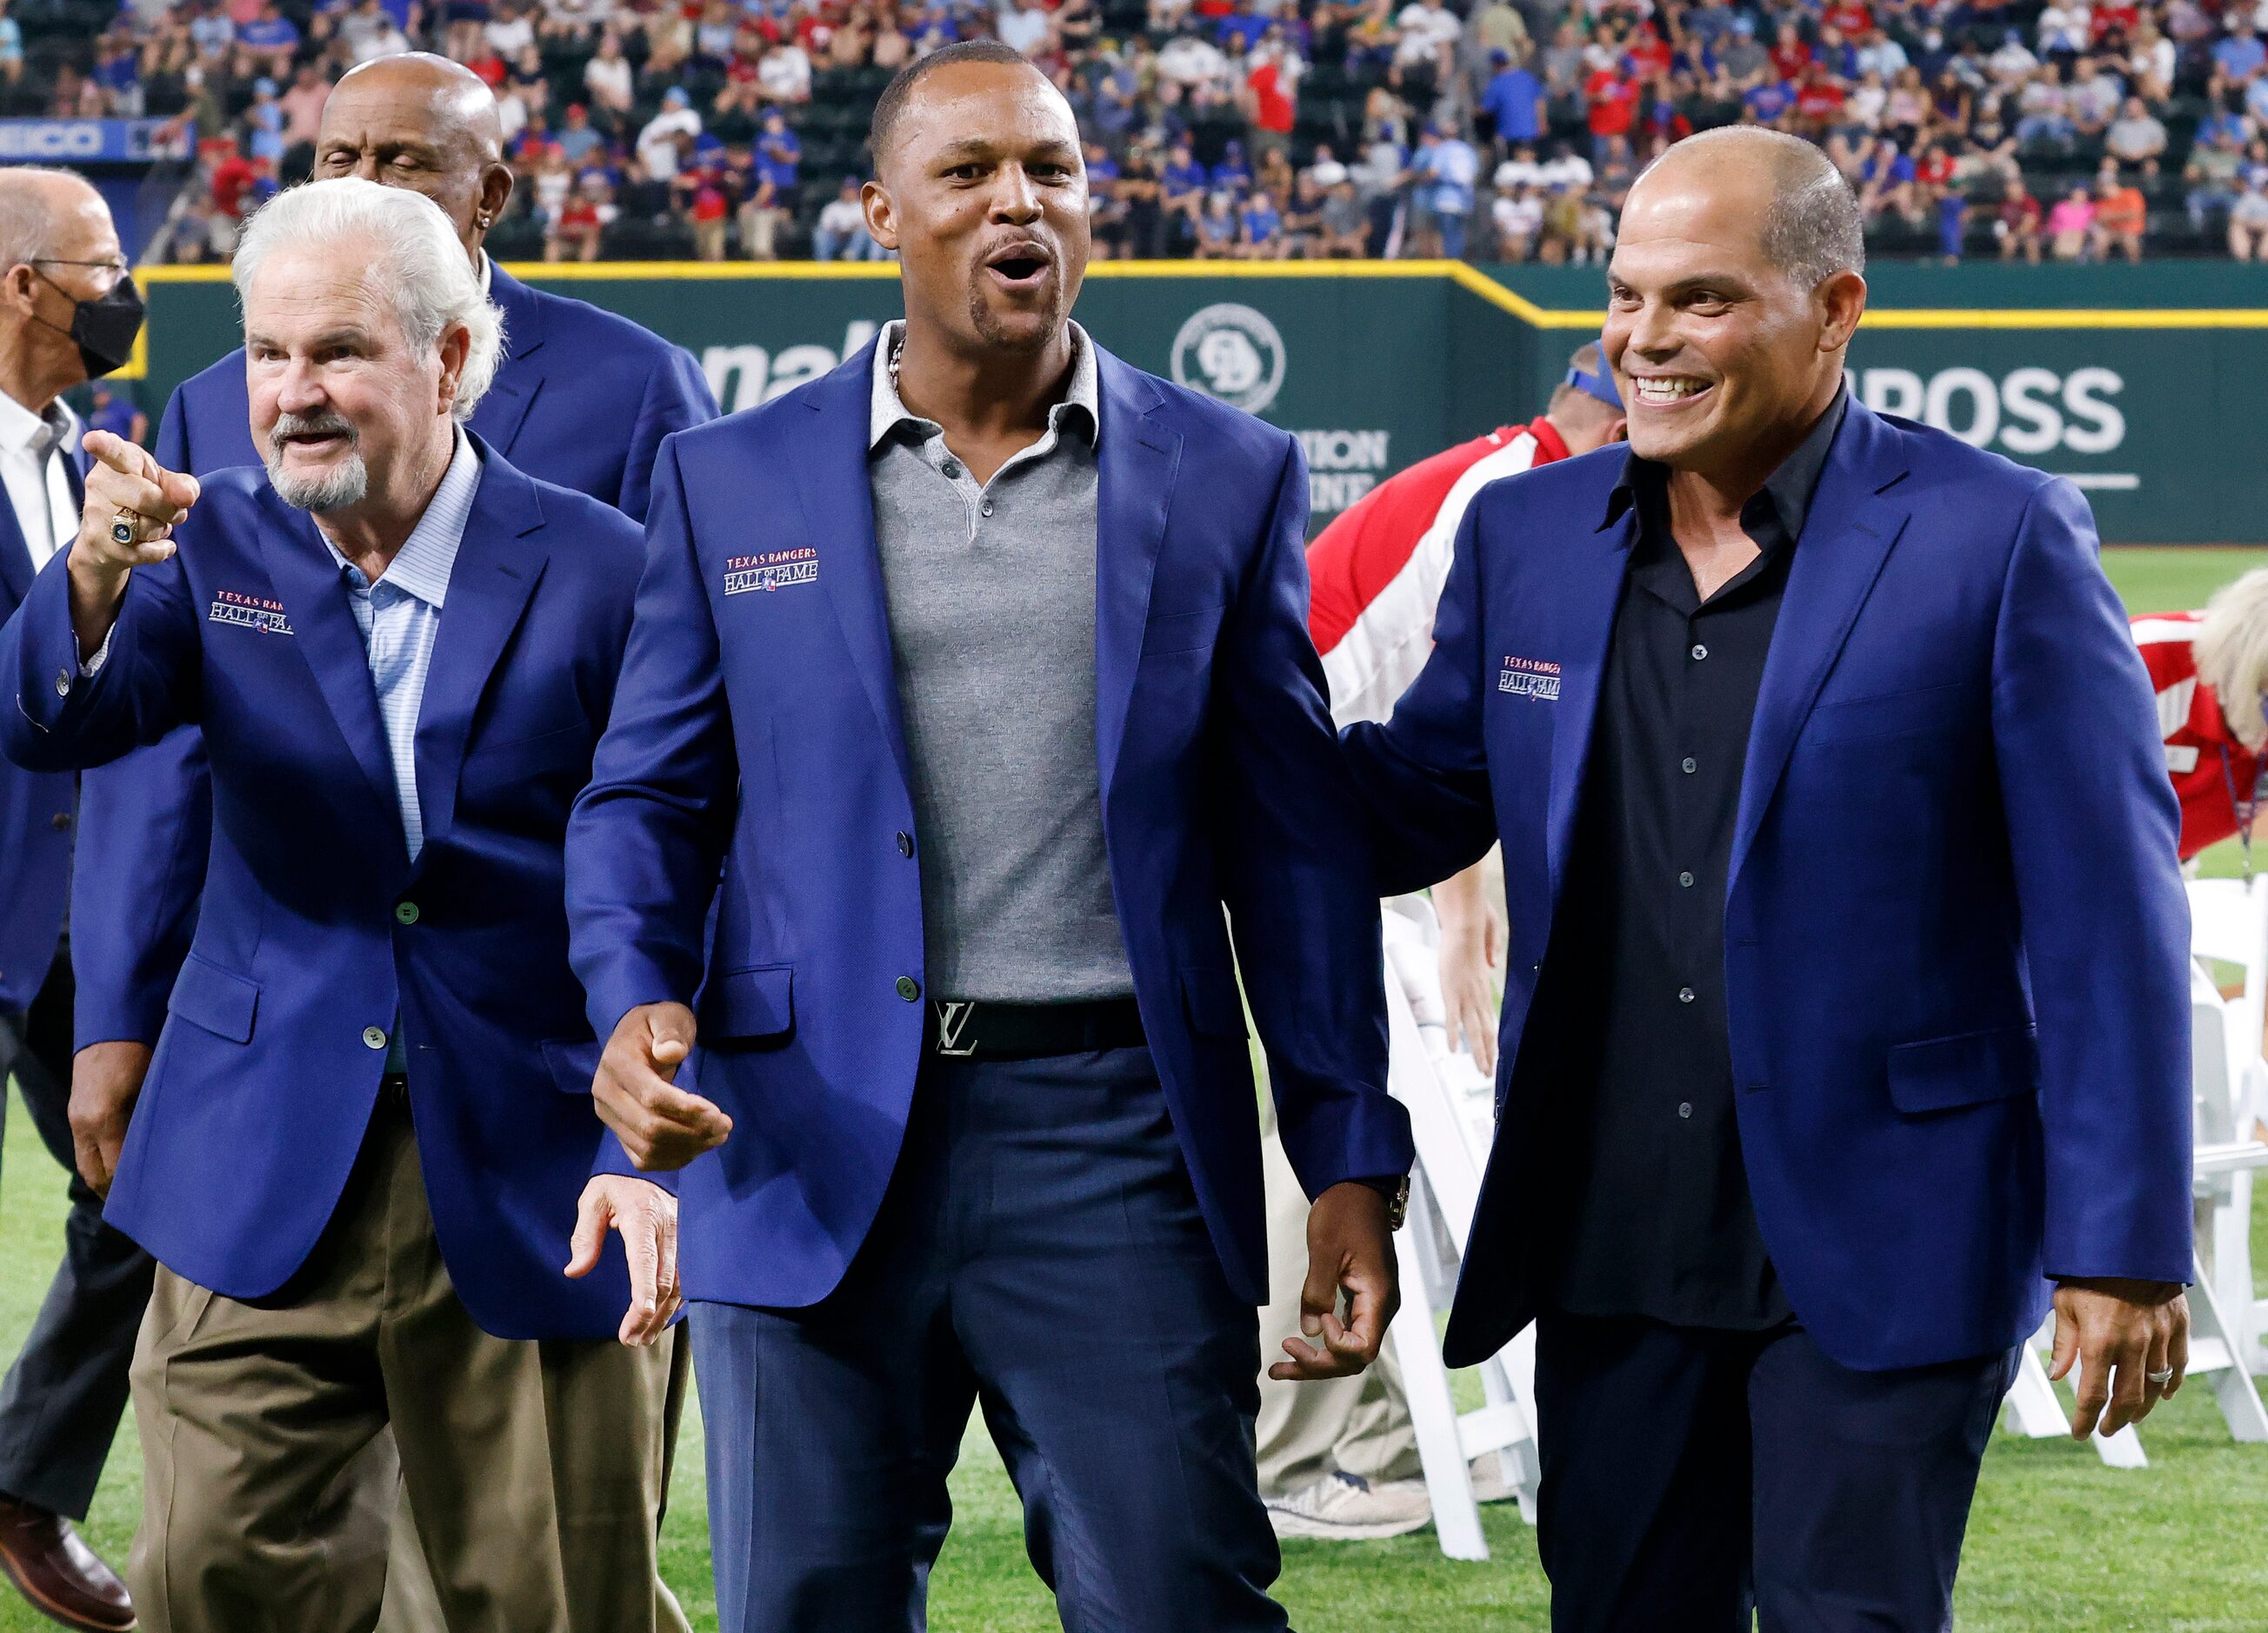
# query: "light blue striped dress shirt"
[[399, 616], [400, 613]]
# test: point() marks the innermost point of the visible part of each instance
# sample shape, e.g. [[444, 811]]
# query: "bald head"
[[42, 209], [58, 247], [1733, 293], [1807, 219], [424, 123]]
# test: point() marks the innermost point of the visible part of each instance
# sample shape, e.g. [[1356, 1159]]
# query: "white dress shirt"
[[32, 452]]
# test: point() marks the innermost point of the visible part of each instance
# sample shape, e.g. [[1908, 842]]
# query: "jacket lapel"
[[1593, 574], [1847, 536], [496, 572], [503, 411], [837, 501], [1138, 460], [314, 598], [16, 574]]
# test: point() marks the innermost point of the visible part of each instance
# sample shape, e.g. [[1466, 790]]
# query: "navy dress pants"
[[61, 1399], [1706, 1481], [1039, 1254]]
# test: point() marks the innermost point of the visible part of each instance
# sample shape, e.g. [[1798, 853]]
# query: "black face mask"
[[105, 328]]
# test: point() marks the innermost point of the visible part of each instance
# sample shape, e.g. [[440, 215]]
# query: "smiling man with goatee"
[[966, 687]]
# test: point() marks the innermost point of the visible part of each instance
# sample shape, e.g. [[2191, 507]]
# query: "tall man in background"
[[1004, 696], [1840, 1015], [1337, 1459], [583, 399], [68, 313]]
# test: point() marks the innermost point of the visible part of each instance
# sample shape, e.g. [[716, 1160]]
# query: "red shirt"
[[2121, 20], [231, 177], [1649, 54], [1819, 99], [1790, 60], [1849, 18], [1934, 168], [2211, 768], [1376, 572], [1614, 103], [1272, 108]]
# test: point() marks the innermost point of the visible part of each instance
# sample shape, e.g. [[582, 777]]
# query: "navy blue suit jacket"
[[36, 812], [582, 399], [1956, 939], [264, 1078], [761, 732]]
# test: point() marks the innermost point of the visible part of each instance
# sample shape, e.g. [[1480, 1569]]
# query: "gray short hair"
[[1812, 228], [2232, 654], [415, 257], [27, 215]]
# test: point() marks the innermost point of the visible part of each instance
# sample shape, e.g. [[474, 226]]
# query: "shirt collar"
[[1790, 488], [1081, 406], [421, 568], [484, 272], [20, 427]]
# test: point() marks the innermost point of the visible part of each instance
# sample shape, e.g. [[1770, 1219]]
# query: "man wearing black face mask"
[[68, 313]]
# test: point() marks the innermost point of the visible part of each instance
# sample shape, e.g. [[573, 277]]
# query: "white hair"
[[413, 253], [2232, 654]]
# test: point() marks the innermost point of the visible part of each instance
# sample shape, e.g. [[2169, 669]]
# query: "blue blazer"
[[1955, 939], [761, 732], [37, 809], [582, 399], [264, 1078]]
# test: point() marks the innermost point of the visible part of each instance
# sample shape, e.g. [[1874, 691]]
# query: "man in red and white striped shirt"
[[1337, 1460], [1377, 573], [2210, 671]]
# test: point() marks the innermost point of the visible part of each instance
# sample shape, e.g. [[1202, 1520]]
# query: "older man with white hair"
[[359, 1151]]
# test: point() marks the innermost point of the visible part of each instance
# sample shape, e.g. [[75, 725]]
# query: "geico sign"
[[51, 139], [2027, 411]]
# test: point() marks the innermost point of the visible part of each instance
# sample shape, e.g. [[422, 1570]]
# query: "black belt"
[[394, 1092], [967, 1029]]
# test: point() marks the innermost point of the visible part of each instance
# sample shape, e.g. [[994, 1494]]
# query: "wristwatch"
[[1396, 1189]]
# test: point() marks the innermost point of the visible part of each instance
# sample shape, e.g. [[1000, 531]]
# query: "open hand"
[[2120, 1332], [659, 1124], [1349, 1250], [646, 1215]]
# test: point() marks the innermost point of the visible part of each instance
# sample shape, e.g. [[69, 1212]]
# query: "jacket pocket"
[[574, 1062], [1213, 1004], [1892, 714], [1182, 632], [749, 1003], [207, 996], [1974, 1069]]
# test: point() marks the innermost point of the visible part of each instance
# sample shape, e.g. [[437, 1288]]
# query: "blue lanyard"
[[2244, 808]]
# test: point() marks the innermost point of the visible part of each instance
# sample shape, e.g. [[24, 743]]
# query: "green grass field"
[[2057, 1542]]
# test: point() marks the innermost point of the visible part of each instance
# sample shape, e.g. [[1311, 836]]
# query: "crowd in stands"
[[1510, 129]]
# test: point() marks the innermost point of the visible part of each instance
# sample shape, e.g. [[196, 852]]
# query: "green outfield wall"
[[2132, 381]]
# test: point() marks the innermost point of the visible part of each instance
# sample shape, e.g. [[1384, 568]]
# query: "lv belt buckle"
[[956, 1032]]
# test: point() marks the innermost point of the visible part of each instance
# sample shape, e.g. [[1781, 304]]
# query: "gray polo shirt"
[[990, 594]]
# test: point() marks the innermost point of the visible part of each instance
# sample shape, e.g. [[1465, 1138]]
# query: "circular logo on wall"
[[1230, 352]]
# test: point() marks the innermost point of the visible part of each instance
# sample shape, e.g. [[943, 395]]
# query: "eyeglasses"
[[117, 266]]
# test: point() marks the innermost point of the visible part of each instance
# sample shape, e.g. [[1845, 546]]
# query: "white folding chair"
[[2229, 924], [1451, 1127]]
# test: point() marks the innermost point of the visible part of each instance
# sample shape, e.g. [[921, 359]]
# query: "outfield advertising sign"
[[1373, 367]]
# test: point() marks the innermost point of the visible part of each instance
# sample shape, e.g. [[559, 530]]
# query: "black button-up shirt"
[[1653, 1217]]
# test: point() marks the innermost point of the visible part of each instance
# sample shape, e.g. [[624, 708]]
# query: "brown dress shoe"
[[44, 1557]]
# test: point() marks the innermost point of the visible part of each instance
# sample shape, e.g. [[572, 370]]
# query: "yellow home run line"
[[1470, 278]]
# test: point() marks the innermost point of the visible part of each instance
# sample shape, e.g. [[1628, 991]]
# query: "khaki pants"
[[536, 1469], [1306, 1432]]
